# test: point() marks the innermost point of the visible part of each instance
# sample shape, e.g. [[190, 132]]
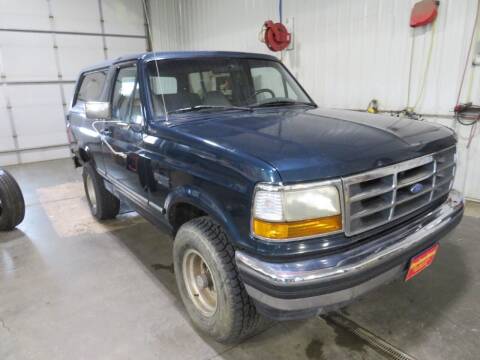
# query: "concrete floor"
[[71, 288]]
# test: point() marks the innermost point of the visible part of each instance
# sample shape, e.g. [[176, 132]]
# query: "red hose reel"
[[424, 12], [276, 36]]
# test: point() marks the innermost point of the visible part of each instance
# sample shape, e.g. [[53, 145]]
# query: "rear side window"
[[92, 86]]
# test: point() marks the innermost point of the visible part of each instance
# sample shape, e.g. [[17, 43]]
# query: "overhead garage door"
[[43, 46]]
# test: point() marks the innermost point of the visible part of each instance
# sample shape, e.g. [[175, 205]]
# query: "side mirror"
[[98, 110]]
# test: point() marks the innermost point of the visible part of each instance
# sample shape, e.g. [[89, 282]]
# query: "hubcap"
[[199, 282], [91, 193]]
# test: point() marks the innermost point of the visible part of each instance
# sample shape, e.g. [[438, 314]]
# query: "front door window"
[[126, 104]]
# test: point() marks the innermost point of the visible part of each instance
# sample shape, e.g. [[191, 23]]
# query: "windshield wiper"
[[203, 107], [284, 103]]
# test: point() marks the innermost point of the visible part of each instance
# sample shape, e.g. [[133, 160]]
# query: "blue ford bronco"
[[278, 208]]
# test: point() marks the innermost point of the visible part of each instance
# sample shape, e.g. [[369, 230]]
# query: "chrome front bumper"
[[314, 284]]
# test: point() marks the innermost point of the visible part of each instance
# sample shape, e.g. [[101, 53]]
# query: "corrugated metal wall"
[[348, 52]]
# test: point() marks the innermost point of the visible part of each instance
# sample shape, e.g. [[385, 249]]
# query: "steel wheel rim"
[[199, 282], [91, 193]]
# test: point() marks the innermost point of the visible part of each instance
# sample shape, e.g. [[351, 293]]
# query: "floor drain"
[[372, 340]]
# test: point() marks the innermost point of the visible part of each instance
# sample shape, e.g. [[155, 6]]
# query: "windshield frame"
[[163, 117]]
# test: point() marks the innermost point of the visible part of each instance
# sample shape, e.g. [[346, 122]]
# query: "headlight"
[[297, 211]]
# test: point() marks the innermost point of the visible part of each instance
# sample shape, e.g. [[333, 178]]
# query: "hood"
[[316, 144]]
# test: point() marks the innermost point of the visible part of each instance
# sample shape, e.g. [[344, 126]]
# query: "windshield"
[[220, 83]]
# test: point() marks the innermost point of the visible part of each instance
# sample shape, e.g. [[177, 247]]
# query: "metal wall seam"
[[147, 22], [102, 28], [8, 104], [57, 56], [46, 147], [39, 82], [80, 33]]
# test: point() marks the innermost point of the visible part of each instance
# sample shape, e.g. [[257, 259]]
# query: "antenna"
[[149, 30]]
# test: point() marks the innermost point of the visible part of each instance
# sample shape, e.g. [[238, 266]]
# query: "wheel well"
[[83, 155], [183, 212]]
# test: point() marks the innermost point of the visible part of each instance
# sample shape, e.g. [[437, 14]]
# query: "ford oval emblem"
[[416, 188]]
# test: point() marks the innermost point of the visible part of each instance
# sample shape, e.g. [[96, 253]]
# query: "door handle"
[[106, 132]]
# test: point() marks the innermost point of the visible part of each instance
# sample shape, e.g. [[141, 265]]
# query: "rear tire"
[[232, 316], [103, 204], [12, 204]]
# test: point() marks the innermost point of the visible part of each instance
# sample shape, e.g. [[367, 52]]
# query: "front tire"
[[103, 204], [12, 204], [209, 284]]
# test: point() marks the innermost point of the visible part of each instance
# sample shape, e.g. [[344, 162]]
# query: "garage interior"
[[72, 287]]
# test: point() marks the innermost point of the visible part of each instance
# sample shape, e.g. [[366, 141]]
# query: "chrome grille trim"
[[377, 197]]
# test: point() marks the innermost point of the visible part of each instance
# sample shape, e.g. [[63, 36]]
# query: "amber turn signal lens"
[[296, 229]]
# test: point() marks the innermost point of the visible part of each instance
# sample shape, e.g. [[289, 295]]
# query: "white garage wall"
[[43, 46], [165, 20], [347, 52]]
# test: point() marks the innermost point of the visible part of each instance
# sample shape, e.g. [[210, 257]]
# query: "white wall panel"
[[472, 172], [38, 114], [123, 17], [6, 134], [346, 53], [45, 154], [165, 21], [366, 45], [121, 46], [8, 159], [77, 52], [74, 15], [6, 139], [28, 56], [224, 25], [24, 14], [68, 90]]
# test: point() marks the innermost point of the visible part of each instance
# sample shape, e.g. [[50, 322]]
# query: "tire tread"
[[108, 205], [248, 320], [13, 211]]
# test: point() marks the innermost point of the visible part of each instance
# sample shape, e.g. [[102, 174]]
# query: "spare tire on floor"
[[12, 205]]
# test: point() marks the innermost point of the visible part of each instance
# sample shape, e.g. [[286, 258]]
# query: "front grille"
[[377, 197]]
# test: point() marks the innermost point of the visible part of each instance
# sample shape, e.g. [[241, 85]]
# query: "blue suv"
[[277, 208]]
